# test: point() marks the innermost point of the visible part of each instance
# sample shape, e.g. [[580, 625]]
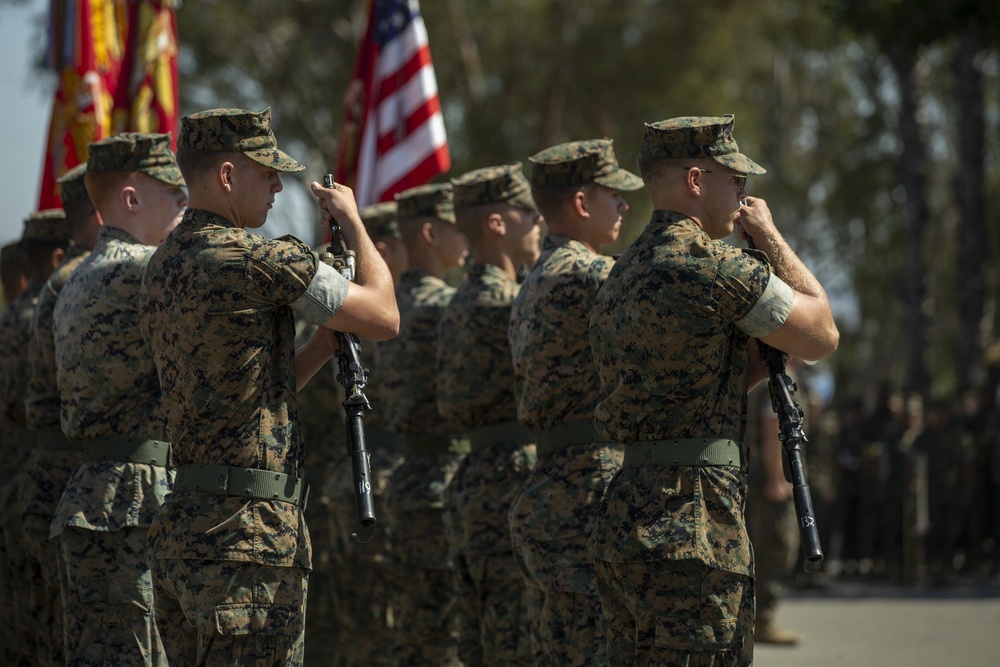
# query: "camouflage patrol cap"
[[71, 187], [236, 131], [502, 184], [579, 163], [47, 225], [435, 200], [380, 220], [145, 152], [697, 137]]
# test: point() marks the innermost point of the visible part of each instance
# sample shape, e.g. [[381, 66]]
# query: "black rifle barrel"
[[792, 437], [353, 376]]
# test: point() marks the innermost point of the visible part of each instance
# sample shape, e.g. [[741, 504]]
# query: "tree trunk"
[[913, 179], [969, 195]]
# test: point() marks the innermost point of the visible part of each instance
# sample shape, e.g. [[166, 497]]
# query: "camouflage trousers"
[[551, 520], [19, 641], [46, 567], [361, 609], [564, 607], [774, 534], [108, 593], [492, 597], [423, 602], [676, 613], [492, 593], [228, 613]]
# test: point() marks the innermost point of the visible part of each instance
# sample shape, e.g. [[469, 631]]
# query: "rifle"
[[792, 437], [353, 377]]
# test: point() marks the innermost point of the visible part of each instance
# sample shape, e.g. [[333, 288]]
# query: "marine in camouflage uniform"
[[54, 457], [361, 616], [230, 550], [110, 401], [576, 186], [670, 333], [423, 573], [475, 393], [43, 244]]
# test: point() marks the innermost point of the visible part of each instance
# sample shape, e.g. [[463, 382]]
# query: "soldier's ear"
[[225, 175], [56, 258], [427, 233], [579, 204], [495, 224]]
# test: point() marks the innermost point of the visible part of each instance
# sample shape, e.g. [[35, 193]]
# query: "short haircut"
[[653, 168], [409, 228], [36, 254], [550, 200], [104, 186], [471, 220], [78, 213], [12, 267], [197, 163]]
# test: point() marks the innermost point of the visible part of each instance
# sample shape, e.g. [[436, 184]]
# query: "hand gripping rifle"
[[792, 438], [353, 377]]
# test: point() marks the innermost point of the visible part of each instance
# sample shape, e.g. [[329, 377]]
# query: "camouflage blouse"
[[556, 377], [108, 386], [474, 371], [15, 330], [674, 364], [47, 471], [408, 360], [215, 310], [41, 400]]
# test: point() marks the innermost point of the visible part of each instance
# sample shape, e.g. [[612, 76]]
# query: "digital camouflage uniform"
[[476, 393], [423, 576], [23, 638], [229, 549], [669, 332], [54, 457], [557, 388], [361, 612], [110, 398]]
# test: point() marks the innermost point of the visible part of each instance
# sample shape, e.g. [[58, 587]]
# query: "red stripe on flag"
[[436, 163], [419, 116], [393, 82]]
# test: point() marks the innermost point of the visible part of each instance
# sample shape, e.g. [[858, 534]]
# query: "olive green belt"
[[52, 439], [130, 450], [433, 445], [487, 436], [563, 435], [685, 452], [242, 482]]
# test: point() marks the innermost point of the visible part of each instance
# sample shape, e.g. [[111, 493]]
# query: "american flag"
[[393, 136]]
